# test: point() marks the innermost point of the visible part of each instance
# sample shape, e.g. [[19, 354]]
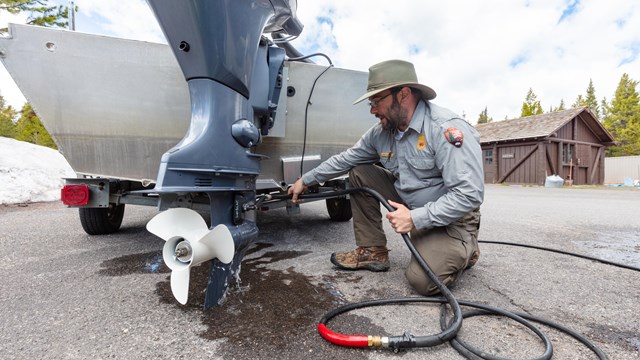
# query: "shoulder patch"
[[454, 136]]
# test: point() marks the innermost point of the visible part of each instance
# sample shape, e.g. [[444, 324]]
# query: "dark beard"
[[396, 115]]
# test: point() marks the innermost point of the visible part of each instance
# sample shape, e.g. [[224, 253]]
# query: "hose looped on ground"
[[449, 328]]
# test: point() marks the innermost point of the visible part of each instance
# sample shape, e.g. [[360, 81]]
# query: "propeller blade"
[[220, 243], [180, 284], [178, 225], [181, 222]]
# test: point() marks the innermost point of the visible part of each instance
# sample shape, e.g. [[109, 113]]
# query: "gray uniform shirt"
[[437, 180]]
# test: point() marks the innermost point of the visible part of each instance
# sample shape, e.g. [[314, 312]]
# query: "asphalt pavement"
[[68, 295]]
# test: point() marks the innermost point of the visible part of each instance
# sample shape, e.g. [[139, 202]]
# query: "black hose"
[[300, 58], [450, 331], [289, 49], [306, 114], [612, 263], [404, 341]]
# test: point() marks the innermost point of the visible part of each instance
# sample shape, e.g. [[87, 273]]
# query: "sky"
[[475, 54]]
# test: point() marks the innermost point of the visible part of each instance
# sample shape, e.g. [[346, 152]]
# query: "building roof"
[[541, 126]]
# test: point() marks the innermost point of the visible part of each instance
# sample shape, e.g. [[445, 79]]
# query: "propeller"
[[189, 242]]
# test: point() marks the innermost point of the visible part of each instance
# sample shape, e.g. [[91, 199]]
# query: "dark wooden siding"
[[577, 130], [583, 155], [566, 132], [598, 172], [585, 134], [525, 173], [552, 163], [569, 144], [544, 158]]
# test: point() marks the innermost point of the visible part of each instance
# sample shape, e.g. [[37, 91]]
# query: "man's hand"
[[400, 219], [296, 189]]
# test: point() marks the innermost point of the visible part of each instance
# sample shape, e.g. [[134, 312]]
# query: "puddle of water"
[[268, 312], [150, 262], [264, 296]]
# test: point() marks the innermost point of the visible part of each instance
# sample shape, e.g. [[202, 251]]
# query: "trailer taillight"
[[75, 195]]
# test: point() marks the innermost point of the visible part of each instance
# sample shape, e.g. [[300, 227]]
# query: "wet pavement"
[[259, 313], [68, 295]]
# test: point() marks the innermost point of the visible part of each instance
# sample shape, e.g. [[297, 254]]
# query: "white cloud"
[[464, 49], [130, 19]]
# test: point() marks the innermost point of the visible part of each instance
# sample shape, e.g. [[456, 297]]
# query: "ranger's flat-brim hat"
[[394, 73]]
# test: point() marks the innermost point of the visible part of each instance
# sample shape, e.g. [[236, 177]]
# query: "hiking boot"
[[374, 258]]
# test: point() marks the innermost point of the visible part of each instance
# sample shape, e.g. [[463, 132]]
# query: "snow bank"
[[30, 173]]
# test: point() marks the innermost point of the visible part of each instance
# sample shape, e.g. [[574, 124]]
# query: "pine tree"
[[29, 128], [591, 101], [40, 13], [560, 107], [531, 105], [580, 101], [7, 114], [623, 118], [604, 108], [484, 118]]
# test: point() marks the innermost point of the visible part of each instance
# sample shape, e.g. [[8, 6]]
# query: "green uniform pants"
[[446, 249]]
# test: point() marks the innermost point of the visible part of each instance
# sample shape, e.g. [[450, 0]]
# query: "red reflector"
[[75, 195]]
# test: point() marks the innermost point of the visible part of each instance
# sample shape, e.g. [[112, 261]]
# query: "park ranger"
[[427, 161]]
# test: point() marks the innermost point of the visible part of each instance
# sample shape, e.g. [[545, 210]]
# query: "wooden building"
[[569, 143]]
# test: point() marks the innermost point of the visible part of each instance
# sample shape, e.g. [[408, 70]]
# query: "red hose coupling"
[[351, 340]]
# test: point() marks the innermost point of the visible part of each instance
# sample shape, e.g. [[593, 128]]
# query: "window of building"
[[567, 153], [488, 157]]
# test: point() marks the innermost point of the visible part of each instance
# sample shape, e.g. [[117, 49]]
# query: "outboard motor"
[[232, 75]]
